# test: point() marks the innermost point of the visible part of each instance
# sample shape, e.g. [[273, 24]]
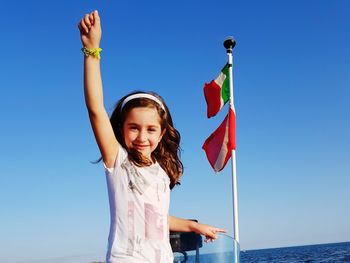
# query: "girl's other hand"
[[209, 232], [90, 30]]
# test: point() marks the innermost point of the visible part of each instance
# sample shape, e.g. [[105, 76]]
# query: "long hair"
[[167, 153]]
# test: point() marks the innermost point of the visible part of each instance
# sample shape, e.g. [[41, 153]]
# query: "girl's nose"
[[141, 136]]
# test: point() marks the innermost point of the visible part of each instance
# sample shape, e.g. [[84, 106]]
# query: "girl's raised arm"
[[90, 33]]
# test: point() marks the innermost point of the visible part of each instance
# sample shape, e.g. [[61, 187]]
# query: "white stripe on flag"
[[223, 151]]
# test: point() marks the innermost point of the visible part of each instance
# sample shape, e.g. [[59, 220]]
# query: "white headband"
[[142, 95]]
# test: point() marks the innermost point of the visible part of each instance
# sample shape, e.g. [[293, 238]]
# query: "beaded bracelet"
[[95, 52]]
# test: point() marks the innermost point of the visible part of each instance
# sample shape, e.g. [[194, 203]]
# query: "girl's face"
[[142, 130]]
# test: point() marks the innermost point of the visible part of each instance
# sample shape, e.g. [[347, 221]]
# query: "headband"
[[142, 95]]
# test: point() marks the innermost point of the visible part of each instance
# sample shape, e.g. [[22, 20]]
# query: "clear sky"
[[291, 84]]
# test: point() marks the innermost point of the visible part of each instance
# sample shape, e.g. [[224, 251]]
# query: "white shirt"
[[139, 200]]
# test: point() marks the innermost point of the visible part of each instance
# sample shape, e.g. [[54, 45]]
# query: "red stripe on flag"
[[232, 137], [212, 94]]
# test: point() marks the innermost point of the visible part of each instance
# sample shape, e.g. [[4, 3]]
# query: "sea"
[[325, 253], [332, 253]]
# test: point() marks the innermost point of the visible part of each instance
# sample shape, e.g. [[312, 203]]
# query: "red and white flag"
[[219, 145]]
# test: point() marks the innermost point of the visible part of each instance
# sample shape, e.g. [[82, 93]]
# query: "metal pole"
[[229, 44]]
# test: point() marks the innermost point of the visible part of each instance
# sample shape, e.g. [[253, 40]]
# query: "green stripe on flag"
[[225, 88]]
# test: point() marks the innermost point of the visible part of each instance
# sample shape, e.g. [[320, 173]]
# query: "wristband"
[[95, 52]]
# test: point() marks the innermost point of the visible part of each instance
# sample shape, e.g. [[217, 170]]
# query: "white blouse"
[[139, 200]]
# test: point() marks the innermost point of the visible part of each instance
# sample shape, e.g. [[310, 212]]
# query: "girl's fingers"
[[210, 235], [96, 17], [82, 26], [217, 230], [213, 233], [87, 20], [91, 17], [220, 230]]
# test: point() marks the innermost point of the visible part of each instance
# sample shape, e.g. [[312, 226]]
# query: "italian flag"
[[217, 92], [219, 145]]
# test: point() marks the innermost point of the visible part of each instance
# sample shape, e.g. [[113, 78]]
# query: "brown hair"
[[167, 153]]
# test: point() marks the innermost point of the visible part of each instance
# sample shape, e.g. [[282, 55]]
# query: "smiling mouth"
[[138, 146]]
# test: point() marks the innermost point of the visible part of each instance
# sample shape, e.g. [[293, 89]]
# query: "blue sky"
[[291, 84]]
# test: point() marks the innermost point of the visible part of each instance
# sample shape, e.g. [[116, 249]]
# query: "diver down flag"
[[217, 92], [219, 145]]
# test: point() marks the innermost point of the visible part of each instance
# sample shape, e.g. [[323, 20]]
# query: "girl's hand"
[[209, 232], [90, 30]]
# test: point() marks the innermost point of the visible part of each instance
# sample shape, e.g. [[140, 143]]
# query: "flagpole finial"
[[229, 43]]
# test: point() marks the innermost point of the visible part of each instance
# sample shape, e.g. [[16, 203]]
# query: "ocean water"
[[325, 253], [332, 253]]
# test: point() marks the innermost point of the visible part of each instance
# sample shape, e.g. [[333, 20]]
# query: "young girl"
[[139, 148]]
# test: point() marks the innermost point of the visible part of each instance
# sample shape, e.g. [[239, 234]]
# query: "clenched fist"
[[90, 30]]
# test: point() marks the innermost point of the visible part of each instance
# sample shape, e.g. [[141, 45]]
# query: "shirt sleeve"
[[122, 154]]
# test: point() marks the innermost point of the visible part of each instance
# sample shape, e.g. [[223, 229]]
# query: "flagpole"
[[229, 44]]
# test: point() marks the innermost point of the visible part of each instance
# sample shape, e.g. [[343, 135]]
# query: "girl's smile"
[[142, 130]]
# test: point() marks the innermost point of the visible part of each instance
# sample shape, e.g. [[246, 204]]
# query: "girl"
[[139, 148]]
